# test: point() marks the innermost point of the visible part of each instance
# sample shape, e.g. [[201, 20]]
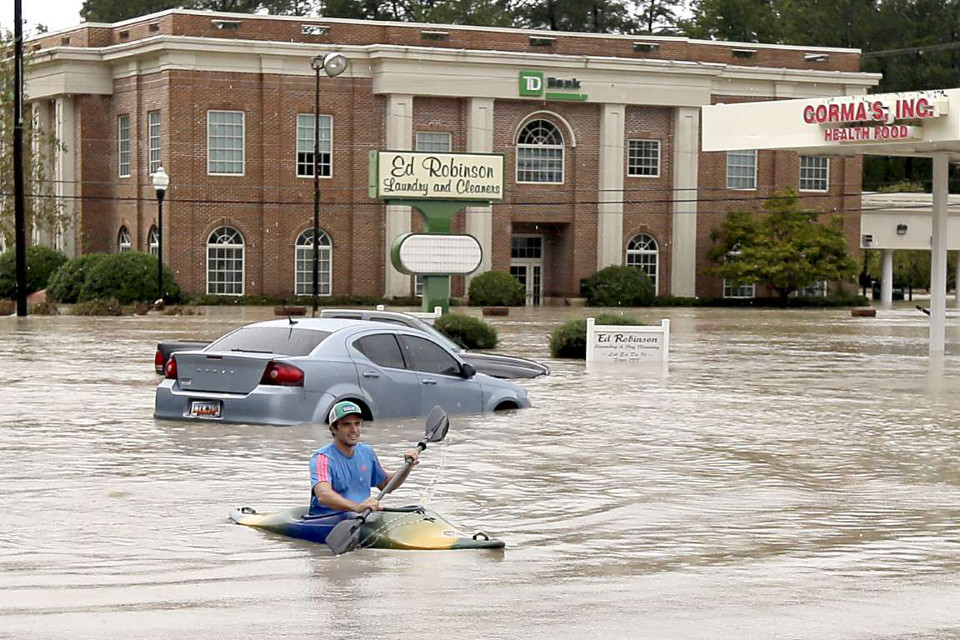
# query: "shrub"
[[472, 333], [569, 340], [99, 308], [496, 289], [65, 285], [129, 277], [619, 286], [7, 307], [42, 262], [43, 308]]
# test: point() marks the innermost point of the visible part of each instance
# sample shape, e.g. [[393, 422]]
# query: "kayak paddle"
[[346, 535]]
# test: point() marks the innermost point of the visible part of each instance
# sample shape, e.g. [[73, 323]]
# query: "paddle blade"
[[345, 536], [437, 425]]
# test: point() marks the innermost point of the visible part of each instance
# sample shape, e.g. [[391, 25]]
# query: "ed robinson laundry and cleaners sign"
[[880, 119], [402, 175]]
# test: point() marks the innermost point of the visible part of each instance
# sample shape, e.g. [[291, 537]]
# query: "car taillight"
[[170, 371], [158, 361], [279, 373]]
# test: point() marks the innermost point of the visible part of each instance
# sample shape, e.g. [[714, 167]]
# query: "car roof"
[[317, 324]]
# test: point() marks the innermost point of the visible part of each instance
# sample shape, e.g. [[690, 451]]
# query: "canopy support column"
[[938, 257], [886, 282]]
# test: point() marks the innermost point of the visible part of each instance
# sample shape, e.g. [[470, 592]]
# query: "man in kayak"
[[342, 472]]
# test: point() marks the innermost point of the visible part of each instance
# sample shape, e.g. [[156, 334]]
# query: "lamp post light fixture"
[[332, 64], [160, 182]]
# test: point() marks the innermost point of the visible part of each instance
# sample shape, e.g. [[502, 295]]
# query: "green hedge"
[[496, 289], [67, 282], [42, 262], [128, 277], [619, 286], [472, 333], [569, 340]]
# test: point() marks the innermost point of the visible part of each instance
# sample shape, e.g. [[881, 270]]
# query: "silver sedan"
[[293, 371]]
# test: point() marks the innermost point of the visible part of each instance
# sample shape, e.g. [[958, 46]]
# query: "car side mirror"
[[467, 370]]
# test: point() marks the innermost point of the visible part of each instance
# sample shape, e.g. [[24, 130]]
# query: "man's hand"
[[370, 503], [413, 454]]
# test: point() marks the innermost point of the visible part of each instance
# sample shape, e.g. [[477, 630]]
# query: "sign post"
[[437, 185]]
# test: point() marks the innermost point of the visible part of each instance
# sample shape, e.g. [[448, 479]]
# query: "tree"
[[42, 211], [595, 16], [786, 248], [736, 20], [117, 10], [657, 16]]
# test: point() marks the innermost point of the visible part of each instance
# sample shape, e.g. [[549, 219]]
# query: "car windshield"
[[285, 341]]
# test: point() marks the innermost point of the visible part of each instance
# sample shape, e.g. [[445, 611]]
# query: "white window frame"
[[731, 156], [124, 242], [329, 140], [642, 142], [153, 241], [418, 286], [639, 253], [525, 146], [153, 141], [243, 260], [123, 145], [815, 179], [422, 143], [737, 292], [819, 289], [326, 287], [243, 146]]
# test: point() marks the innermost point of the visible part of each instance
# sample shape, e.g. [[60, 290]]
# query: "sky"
[[55, 14]]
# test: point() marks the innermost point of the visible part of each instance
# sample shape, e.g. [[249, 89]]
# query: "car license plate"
[[210, 409]]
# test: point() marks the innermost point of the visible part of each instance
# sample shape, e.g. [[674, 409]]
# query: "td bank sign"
[[534, 84]]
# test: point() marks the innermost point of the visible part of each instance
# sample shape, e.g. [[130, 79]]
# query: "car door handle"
[[429, 381], [370, 374]]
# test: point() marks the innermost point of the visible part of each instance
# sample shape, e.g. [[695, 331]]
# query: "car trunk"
[[233, 373]]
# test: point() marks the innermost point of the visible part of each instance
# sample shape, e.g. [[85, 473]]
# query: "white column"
[[886, 282], [480, 140], [399, 138], [65, 169], [610, 196], [938, 257], [686, 155], [39, 112]]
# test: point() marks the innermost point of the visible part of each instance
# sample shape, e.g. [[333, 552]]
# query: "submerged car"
[[292, 371], [492, 364]]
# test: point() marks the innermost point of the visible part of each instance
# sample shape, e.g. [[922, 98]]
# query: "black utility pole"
[[316, 185], [20, 234]]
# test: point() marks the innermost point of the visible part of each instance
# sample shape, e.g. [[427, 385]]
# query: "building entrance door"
[[526, 265]]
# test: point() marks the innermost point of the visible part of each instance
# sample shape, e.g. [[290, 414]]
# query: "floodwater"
[[791, 475]]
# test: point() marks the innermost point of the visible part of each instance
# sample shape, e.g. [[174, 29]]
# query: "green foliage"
[[619, 286], [569, 340], [496, 289], [7, 307], [785, 248], [65, 285], [471, 332], [904, 186], [43, 308], [42, 262], [734, 20], [129, 277]]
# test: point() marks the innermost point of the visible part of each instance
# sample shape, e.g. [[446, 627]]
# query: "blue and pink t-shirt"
[[351, 477]]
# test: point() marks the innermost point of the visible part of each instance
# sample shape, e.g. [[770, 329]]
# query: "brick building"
[[600, 136]]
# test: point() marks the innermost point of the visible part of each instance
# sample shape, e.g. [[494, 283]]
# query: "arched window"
[[642, 252], [225, 262], [153, 240], [540, 153], [123, 240], [304, 259]]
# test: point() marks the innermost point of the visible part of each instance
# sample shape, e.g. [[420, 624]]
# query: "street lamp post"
[[160, 182], [332, 64]]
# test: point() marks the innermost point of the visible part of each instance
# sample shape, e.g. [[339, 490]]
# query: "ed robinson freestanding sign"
[[437, 185]]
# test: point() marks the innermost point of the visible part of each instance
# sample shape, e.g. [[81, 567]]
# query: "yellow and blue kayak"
[[415, 527]]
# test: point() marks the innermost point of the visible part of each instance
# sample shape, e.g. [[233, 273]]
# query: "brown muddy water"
[[791, 475]]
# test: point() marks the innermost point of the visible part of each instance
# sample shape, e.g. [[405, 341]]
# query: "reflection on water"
[[788, 475]]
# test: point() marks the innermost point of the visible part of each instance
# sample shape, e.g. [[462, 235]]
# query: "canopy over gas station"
[[915, 123]]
